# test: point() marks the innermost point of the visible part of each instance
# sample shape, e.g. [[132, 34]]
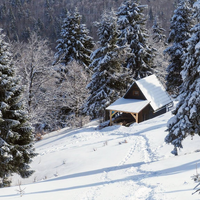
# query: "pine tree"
[[107, 81], [131, 20], [75, 43], [181, 23], [185, 121], [16, 147], [157, 40], [158, 31]]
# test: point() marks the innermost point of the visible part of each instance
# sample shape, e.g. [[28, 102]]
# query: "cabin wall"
[[145, 114], [106, 115], [160, 112], [134, 93], [148, 113]]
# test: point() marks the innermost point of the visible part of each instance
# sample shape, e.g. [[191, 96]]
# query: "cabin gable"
[[134, 92]]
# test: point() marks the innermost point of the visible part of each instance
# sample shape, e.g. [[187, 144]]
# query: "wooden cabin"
[[145, 99]]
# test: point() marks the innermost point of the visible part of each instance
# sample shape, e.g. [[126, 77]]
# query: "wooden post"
[[135, 115], [110, 117], [111, 114], [137, 118]]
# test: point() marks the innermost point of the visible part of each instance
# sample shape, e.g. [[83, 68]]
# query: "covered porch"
[[131, 106]]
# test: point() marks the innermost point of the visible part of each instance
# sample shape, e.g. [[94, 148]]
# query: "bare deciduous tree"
[[34, 65], [71, 94]]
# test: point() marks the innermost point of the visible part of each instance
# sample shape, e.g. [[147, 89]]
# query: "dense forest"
[[18, 18], [38, 32]]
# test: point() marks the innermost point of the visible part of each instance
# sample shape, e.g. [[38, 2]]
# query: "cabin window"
[[136, 93]]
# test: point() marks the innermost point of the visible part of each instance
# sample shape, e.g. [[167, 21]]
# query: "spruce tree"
[[158, 31], [157, 40], [75, 43], [181, 23], [185, 121], [107, 80], [16, 141], [132, 26]]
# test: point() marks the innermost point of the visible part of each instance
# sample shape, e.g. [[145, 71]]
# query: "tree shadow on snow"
[[63, 135], [135, 178], [137, 133], [97, 171]]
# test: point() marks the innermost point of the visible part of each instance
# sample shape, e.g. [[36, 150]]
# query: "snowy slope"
[[115, 163]]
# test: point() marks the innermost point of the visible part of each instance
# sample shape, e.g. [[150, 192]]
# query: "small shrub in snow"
[[196, 177], [125, 141], [38, 136], [20, 190], [35, 179], [56, 174], [94, 149], [105, 143]]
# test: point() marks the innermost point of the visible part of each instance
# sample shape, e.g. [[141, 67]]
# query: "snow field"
[[121, 163]]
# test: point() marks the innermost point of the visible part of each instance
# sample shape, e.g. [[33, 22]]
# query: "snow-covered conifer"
[[181, 23], [157, 40], [75, 43], [185, 121], [16, 147], [107, 80], [132, 25], [158, 31]]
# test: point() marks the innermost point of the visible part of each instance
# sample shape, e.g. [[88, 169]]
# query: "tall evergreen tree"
[[158, 31], [132, 25], [185, 121], [75, 43], [107, 80], [16, 147], [157, 40], [181, 23]]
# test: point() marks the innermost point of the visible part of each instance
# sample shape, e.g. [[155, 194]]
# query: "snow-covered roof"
[[154, 92], [128, 105]]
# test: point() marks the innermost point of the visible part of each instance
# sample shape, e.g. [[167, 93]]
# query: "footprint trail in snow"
[[131, 182]]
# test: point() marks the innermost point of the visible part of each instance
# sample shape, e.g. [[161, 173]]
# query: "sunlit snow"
[[115, 163]]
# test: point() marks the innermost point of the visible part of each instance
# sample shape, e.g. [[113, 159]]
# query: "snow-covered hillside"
[[115, 163]]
